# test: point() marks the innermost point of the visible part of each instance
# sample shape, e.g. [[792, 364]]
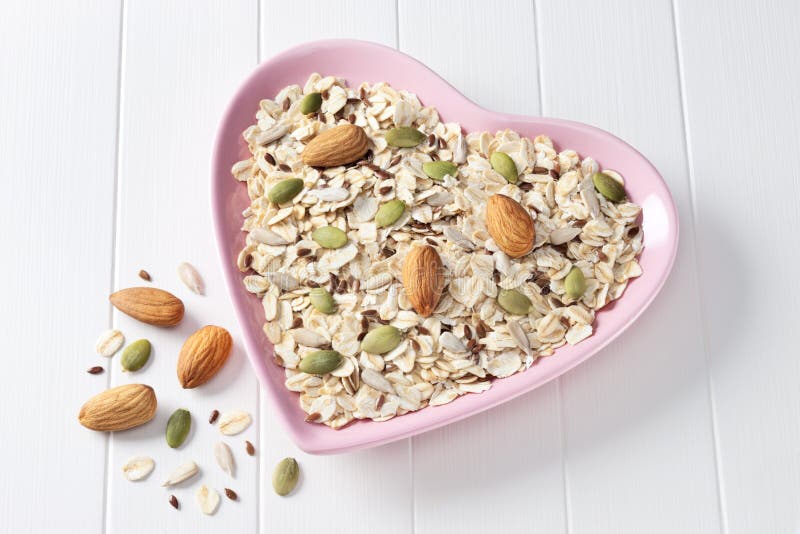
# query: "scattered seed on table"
[[231, 494], [173, 501], [144, 275], [96, 370], [213, 417], [249, 448]]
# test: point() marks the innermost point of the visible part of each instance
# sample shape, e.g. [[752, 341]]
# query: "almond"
[[203, 355], [510, 225], [338, 146], [149, 305], [119, 408], [423, 279]]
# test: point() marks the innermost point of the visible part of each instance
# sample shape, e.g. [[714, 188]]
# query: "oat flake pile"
[[320, 302]]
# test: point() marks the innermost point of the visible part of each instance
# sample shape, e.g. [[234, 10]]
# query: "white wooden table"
[[690, 423]]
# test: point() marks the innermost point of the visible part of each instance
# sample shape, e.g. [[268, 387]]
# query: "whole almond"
[[423, 279], [149, 305], [510, 225], [119, 408], [340, 145], [203, 355]]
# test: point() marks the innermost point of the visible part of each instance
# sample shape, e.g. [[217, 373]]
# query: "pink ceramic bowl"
[[358, 61]]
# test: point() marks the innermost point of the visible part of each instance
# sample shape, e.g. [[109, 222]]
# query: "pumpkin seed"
[[608, 187], [329, 237], [178, 426], [322, 300], [388, 214], [513, 301], [575, 283], [285, 190], [437, 170], [285, 475], [135, 355], [404, 137], [311, 103], [505, 166], [320, 362], [381, 340]]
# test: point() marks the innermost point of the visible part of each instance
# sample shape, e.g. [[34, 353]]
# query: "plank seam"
[[410, 440], [559, 390], [721, 509], [115, 214], [258, 382]]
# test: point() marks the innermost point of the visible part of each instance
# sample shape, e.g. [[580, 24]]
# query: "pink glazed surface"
[[358, 61]]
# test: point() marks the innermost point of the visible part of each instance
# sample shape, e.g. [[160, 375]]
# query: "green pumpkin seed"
[[404, 137], [437, 170], [285, 475], [322, 300], [575, 284], [513, 302], [285, 190], [178, 426], [381, 340], [609, 187], [321, 362], [311, 103], [329, 237], [505, 166], [135, 355], [389, 213]]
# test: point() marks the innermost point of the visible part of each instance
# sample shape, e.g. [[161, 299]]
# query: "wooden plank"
[[639, 438], [180, 66], [503, 467], [740, 78], [367, 491], [58, 140]]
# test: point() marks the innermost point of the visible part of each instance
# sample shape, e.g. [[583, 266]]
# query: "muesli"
[[402, 262]]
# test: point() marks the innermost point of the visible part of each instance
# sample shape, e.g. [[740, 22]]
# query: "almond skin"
[[149, 305], [423, 279], [510, 225], [203, 355], [340, 145], [119, 408]]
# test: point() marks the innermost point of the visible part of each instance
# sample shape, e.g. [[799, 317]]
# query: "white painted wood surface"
[[689, 423]]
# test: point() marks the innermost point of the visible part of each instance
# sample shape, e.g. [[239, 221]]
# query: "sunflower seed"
[[109, 343], [224, 457], [138, 467], [519, 336], [181, 473], [330, 194], [190, 278], [267, 237], [563, 235], [452, 343], [232, 423], [376, 380], [207, 499]]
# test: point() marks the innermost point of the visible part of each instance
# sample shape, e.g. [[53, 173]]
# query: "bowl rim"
[[333, 441]]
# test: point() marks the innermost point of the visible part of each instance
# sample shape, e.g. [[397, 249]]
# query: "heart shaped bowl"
[[359, 61]]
